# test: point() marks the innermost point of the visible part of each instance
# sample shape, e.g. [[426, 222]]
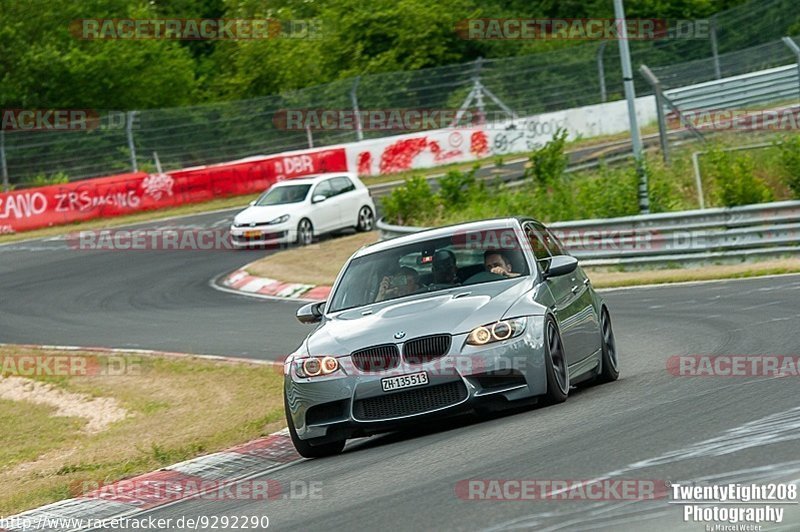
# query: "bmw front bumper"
[[351, 403]]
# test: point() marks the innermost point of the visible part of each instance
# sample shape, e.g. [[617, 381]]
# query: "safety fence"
[[738, 40], [730, 234]]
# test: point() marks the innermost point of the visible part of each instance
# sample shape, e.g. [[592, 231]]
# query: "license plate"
[[390, 384], [252, 234]]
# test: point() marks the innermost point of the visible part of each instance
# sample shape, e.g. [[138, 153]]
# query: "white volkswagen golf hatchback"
[[297, 210]]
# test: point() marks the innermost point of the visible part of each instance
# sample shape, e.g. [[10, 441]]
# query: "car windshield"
[[465, 258], [283, 195]]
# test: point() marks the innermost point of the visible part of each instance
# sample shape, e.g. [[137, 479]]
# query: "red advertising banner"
[[102, 197]]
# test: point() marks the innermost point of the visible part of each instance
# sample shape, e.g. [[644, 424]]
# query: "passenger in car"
[[402, 283], [496, 261]]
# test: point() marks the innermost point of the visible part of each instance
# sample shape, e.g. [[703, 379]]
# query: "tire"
[[366, 220], [303, 447], [610, 363], [555, 364], [305, 232]]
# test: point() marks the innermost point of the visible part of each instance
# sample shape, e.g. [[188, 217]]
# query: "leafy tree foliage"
[[43, 65]]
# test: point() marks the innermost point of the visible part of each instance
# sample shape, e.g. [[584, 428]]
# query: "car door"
[[325, 214], [587, 325], [566, 307], [348, 200]]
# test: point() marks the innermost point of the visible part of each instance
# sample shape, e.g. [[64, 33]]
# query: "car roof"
[[311, 179], [420, 236]]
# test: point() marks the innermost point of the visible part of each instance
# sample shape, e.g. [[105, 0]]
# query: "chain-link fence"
[[740, 40]]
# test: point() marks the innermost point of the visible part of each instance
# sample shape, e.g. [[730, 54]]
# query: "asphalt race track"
[[56, 295], [649, 425]]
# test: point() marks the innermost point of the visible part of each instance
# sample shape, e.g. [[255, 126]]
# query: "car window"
[[342, 184], [556, 243], [324, 189], [536, 241], [283, 195], [427, 266], [551, 242]]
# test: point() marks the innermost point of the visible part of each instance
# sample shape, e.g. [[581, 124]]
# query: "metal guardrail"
[[767, 86], [681, 238]]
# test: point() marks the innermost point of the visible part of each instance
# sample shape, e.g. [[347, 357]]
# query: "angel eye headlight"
[[496, 332], [312, 367], [316, 366], [480, 336]]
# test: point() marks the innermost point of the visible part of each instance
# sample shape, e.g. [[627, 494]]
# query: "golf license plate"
[[390, 384], [252, 234]]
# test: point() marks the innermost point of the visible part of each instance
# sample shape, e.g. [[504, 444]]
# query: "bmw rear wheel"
[[555, 364], [610, 371], [366, 220]]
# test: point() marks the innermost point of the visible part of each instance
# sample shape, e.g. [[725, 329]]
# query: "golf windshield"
[[429, 266], [283, 195]]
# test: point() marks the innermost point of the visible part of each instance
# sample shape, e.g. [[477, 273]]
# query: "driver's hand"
[[498, 270], [384, 286]]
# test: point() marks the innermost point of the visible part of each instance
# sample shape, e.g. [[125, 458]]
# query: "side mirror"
[[319, 198], [560, 265], [311, 313]]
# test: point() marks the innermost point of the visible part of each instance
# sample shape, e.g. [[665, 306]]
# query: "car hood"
[[455, 311], [262, 215]]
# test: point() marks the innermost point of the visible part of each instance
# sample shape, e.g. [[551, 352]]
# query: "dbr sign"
[[300, 164]]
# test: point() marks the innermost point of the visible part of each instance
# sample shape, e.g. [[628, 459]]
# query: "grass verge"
[[177, 408], [316, 264], [602, 278], [319, 264]]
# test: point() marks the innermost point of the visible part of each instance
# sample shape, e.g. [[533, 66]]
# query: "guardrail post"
[[354, 100], [601, 72], [788, 41], [131, 145], [697, 179], [714, 50], [3, 164], [662, 122]]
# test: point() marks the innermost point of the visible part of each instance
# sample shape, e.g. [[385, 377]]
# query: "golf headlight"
[[316, 366], [279, 220], [496, 332]]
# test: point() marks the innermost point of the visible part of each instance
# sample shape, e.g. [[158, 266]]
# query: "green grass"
[[178, 408], [729, 179]]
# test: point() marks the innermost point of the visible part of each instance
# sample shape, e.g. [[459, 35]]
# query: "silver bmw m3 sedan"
[[475, 316]]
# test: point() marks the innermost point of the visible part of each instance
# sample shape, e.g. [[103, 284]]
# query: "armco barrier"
[[699, 236], [756, 88], [129, 193]]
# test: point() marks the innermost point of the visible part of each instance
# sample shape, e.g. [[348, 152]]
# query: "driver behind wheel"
[[497, 262], [445, 269]]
